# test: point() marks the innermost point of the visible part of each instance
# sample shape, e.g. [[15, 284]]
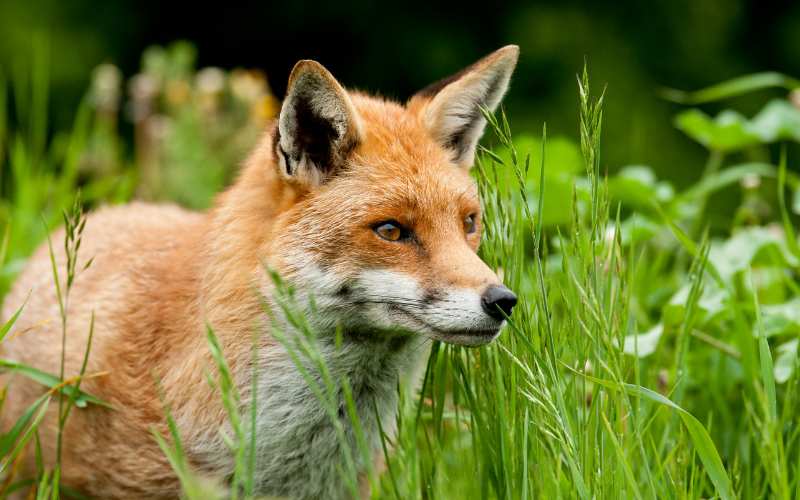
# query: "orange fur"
[[160, 273]]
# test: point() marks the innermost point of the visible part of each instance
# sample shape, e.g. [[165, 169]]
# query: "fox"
[[364, 207]]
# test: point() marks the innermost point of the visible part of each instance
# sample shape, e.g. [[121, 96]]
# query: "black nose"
[[497, 301]]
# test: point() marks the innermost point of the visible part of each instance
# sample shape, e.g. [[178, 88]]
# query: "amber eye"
[[391, 231], [469, 223]]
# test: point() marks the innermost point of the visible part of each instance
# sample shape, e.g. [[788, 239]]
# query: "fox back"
[[364, 208]]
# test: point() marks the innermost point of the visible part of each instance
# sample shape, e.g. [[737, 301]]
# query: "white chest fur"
[[299, 447]]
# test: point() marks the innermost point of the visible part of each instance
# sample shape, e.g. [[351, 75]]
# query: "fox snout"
[[498, 301], [470, 317]]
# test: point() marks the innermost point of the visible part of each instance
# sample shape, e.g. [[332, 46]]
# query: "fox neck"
[[295, 423], [242, 220], [228, 258], [292, 421]]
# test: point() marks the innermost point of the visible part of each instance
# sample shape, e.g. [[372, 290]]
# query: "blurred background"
[[633, 47], [161, 101]]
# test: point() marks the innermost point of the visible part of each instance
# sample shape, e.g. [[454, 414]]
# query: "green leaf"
[[727, 132], [724, 178], [788, 228], [732, 88], [796, 200], [644, 344], [781, 318], [638, 228], [749, 246], [638, 186], [712, 304], [779, 120], [785, 361]]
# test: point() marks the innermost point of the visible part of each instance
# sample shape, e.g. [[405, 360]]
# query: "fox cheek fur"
[[386, 161], [364, 206]]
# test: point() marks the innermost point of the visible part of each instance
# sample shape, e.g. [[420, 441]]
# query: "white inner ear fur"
[[313, 90], [454, 116]]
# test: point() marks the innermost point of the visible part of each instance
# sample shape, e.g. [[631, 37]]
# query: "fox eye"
[[391, 231], [469, 224]]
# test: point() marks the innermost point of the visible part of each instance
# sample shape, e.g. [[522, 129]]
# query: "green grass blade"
[[623, 460], [703, 444], [41, 408], [8, 439], [732, 88], [8, 325], [765, 359], [82, 399]]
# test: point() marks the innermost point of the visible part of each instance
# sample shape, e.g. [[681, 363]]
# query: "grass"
[[652, 354]]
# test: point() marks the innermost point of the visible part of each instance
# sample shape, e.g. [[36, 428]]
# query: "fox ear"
[[451, 108], [317, 127]]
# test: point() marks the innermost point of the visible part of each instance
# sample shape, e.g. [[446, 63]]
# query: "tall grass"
[[557, 408], [641, 362]]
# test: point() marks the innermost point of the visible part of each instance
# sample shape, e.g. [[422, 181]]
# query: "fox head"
[[384, 230]]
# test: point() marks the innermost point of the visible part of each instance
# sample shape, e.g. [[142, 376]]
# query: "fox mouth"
[[469, 338], [465, 337]]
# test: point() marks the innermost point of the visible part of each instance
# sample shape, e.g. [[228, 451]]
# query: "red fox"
[[364, 206]]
